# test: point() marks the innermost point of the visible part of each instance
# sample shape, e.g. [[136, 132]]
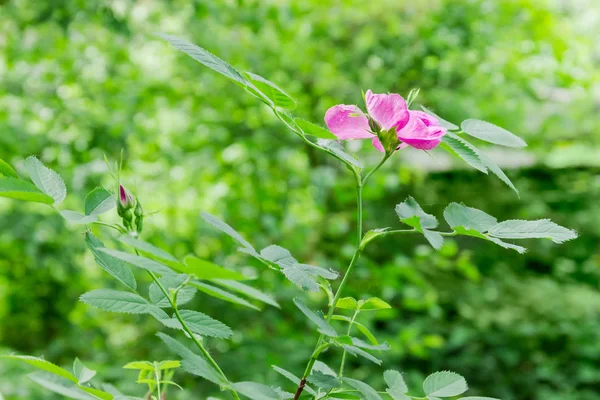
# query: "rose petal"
[[377, 144], [388, 110], [420, 136], [428, 120], [343, 123]]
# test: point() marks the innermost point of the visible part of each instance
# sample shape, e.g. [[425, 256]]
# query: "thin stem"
[[115, 227], [187, 330], [156, 373], [347, 334], [383, 160]]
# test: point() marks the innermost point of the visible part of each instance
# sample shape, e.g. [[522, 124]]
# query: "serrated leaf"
[[321, 324], [18, 189], [148, 248], [444, 384], [313, 129], [441, 121], [491, 133], [205, 57], [501, 243], [292, 378], [274, 93], [77, 218], [542, 229], [396, 386], [278, 255], [46, 179], [366, 391], [358, 352], [464, 150], [324, 381], [225, 228], [207, 270], [492, 166], [200, 324], [7, 171], [44, 365], [338, 149], [374, 304], [363, 329], [117, 301], [138, 261], [115, 267], [82, 373], [248, 291], [222, 294], [363, 345], [434, 238], [61, 386], [468, 217], [140, 365], [192, 362], [410, 211], [99, 201], [255, 391], [347, 303], [301, 278]]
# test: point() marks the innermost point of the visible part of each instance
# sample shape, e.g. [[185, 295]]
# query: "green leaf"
[[322, 367], [278, 255], [140, 365], [274, 93], [255, 391], [464, 150], [347, 303], [468, 217], [61, 386], [205, 57], [373, 304], [206, 270], [519, 249], [411, 213], [397, 388], [44, 365], [221, 294], [17, 189], [491, 133], [363, 345], [293, 378], [223, 227], [169, 364], [184, 295], [324, 381], [117, 301], [543, 229], [442, 122], [477, 398], [444, 384], [338, 149], [313, 129], [115, 267], [200, 324], [358, 352], [99, 201], [82, 373], [77, 218], [321, 324], [192, 362], [366, 391], [497, 171], [7, 171], [248, 291], [472, 232], [138, 261], [363, 329], [46, 179]]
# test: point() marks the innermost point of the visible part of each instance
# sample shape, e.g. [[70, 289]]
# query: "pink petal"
[[420, 136], [388, 110], [427, 119], [347, 122]]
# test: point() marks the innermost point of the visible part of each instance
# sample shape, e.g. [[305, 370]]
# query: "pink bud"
[[125, 198]]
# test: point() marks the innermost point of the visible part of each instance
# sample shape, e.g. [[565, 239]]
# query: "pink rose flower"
[[385, 112]]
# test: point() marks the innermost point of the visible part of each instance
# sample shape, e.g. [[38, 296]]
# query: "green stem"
[[115, 227], [156, 373], [187, 330], [383, 160], [341, 373]]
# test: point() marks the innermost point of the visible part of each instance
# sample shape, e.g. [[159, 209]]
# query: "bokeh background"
[[80, 79]]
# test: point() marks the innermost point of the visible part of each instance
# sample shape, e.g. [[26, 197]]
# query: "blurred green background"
[[79, 79]]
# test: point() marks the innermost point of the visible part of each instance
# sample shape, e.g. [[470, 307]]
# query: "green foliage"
[[444, 384], [491, 133], [46, 179]]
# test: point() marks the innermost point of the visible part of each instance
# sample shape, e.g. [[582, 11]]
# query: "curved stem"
[[115, 227], [187, 330], [383, 160]]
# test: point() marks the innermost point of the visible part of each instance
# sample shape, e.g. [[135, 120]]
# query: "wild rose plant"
[[393, 128]]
